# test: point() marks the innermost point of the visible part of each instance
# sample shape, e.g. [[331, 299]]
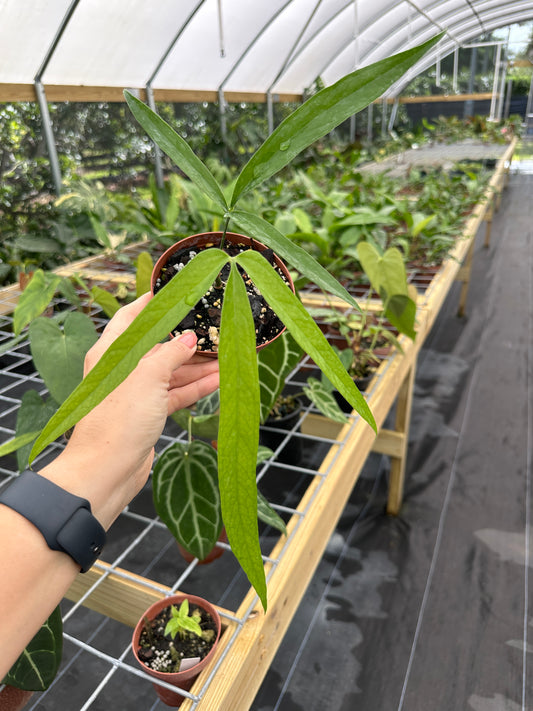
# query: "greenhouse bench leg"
[[394, 442], [463, 275]]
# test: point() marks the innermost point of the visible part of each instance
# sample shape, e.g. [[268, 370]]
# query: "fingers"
[[118, 324], [191, 371], [186, 395]]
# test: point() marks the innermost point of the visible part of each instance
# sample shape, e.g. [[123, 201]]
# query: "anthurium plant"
[[239, 381]]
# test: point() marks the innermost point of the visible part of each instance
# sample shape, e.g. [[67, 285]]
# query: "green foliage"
[[239, 385], [186, 497], [58, 354], [37, 666], [181, 623]]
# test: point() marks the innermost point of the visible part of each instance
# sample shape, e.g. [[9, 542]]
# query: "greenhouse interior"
[[330, 506]]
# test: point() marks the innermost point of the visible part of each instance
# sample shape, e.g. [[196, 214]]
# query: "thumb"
[[178, 350]]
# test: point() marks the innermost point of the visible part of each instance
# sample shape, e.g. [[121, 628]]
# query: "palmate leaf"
[[275, 363], [293, 254], [176, 149], [303, 329], [322, 113], [168, 307], [37, 666], [186, 496], [239, 429]]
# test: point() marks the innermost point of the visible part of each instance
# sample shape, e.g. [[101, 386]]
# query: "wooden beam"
[[114, 94]]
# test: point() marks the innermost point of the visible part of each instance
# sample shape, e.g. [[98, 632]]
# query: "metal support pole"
[[455, 69], [369, 122], [158, 164], [394, 113], [49, 136], [352, 128], [437, 71], [495, 82], [270, 112], [384, 117], [469, 105], [502, 90]]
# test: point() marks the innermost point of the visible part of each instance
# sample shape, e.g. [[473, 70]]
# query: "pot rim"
[[154, 609], [202, 238]]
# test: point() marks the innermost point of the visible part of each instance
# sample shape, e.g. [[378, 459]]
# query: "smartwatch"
[[65, 520]]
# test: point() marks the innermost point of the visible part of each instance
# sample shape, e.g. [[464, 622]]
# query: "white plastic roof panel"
[[240, 46]]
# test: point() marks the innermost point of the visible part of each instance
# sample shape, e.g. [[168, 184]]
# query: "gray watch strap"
[[65, 520]]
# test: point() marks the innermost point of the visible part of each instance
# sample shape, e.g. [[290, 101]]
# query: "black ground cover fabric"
[[433, 610]]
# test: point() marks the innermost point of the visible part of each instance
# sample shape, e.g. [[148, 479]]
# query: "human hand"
[[109, 455]]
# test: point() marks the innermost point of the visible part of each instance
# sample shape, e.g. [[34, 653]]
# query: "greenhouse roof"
[[193, 49]]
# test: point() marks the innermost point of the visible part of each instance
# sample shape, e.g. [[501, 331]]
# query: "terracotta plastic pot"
[[215, 552], [13, 699], [182, 679], [212, 239]]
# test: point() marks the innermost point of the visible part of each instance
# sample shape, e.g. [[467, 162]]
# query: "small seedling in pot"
[[182, 623]]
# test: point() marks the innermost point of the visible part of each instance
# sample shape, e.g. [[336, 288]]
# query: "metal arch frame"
[[43, 103], [446, 47]]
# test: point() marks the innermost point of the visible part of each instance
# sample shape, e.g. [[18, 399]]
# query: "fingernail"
[[188, 339]]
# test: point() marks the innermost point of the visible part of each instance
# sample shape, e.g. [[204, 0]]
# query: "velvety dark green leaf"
[[324, 400], [267, 515], [322, 113], [293, 254], [32, 416], [37, 666], [209, 404], [176, 149], [186, 496], [303, 329], [160, 315], [239, 429], [34, 299], [59, 354], [143, 275], [107, 302], [275, 362]]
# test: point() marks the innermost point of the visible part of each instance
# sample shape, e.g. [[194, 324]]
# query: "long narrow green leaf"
[[239, 430], [17, 442], [151, 326], [303, 329], [176, 149], [293, 254], [322, 113]]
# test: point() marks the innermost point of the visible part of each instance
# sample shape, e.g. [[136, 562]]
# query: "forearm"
[[33, 581]]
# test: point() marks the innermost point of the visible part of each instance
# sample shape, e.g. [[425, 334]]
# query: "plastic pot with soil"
[[176, 654], [205, 317]]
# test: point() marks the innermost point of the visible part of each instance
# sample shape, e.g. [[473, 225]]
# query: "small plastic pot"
[[205, 240], [291, 453], [182, 679]]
